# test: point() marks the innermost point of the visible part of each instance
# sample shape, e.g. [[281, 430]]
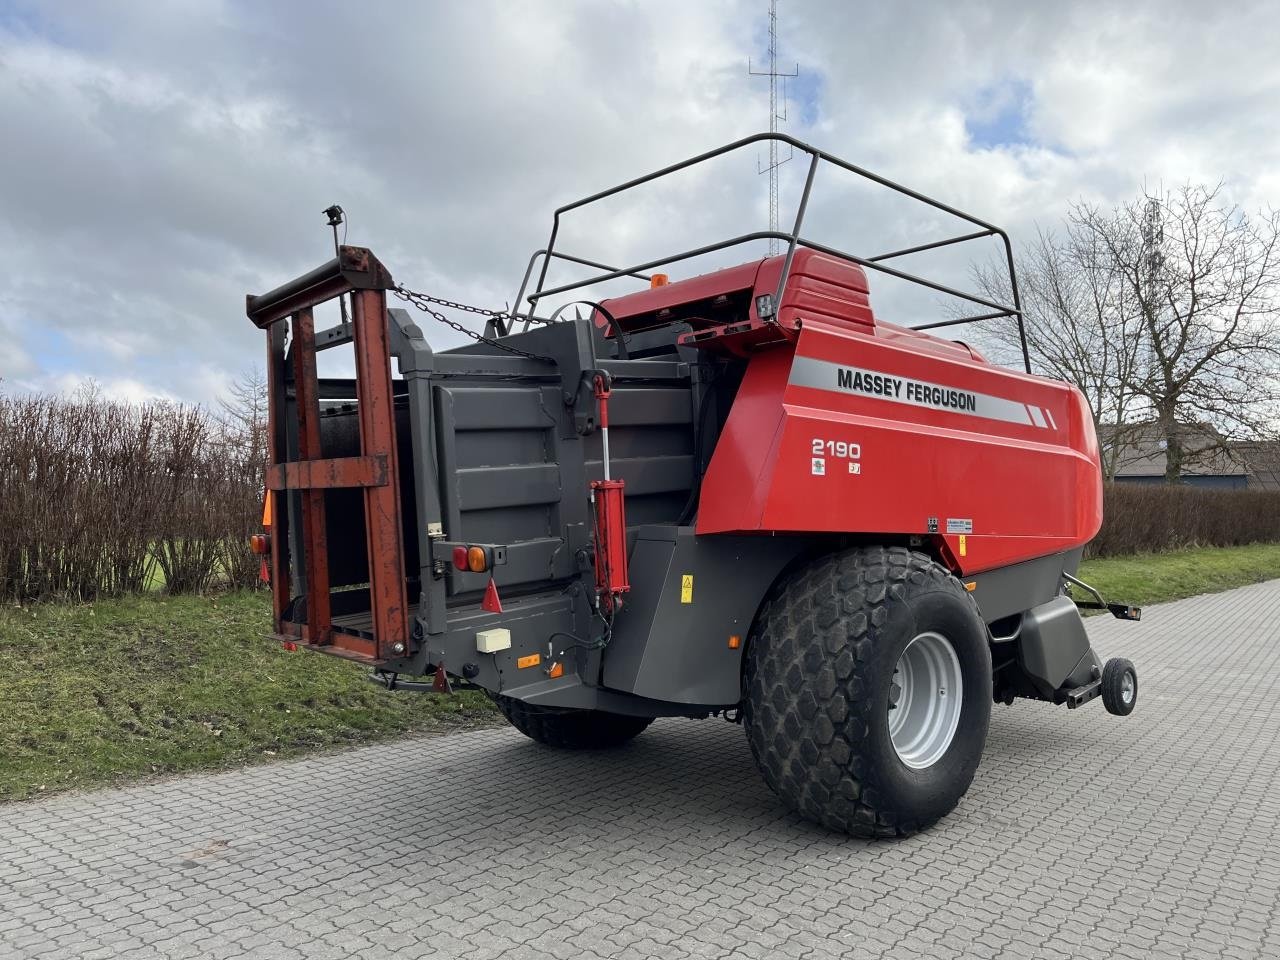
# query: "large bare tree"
[[1164, 311], [1081, 326], [243, 414], [1205, 277]]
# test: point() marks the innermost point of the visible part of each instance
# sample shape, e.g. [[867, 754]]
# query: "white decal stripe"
[[825, 375], [1049, 416], [1037, 416]]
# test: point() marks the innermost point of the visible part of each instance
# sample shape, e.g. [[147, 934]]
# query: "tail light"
[[260, 543], [471, 559]]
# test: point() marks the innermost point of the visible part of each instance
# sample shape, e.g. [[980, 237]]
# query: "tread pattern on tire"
[[569, 729], [806, 708]]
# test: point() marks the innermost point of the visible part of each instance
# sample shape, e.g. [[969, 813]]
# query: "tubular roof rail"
[[794, 239]]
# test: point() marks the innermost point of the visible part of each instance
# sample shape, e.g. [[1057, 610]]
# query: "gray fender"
[[689, 595]]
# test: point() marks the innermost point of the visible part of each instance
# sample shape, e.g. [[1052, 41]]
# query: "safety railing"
[[793, 239]]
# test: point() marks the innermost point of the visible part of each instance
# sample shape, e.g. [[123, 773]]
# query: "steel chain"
[[423, 302]]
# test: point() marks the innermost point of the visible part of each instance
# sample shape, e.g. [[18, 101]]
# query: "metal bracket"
[[1121, 611], [1082, 695]]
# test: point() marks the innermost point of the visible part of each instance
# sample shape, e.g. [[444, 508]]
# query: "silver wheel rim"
[[1127, 688], [924, 700]]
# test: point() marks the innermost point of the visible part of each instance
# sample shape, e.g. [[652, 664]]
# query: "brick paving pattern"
[[1084, 835]]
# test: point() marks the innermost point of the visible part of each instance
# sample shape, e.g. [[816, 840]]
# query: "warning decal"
[[686, 588]]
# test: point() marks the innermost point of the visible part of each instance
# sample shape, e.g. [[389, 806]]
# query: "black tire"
[[1117, 696], [569, 729], [819, 668]]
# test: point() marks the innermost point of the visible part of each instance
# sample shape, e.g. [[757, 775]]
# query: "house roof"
[[1262, 461], [1206, 453]]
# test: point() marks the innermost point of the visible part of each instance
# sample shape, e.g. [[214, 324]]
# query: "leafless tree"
[[1164, 312], [1081, 327], [1204, 276], [243, 414], [243, 419]]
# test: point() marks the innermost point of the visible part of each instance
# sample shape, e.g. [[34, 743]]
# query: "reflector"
[[491, 602], [477, 559]]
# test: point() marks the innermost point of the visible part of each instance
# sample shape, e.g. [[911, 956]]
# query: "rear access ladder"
[[355, 271]]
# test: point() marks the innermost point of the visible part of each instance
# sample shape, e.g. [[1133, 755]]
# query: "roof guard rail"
[[793, 239]]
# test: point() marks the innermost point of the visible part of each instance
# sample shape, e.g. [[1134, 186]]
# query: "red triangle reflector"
[[492, 602], [441, 683]]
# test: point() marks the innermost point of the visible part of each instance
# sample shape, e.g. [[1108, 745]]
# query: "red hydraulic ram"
[[611, 519]]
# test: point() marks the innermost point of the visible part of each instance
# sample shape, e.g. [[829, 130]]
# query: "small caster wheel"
[[1119, 687]]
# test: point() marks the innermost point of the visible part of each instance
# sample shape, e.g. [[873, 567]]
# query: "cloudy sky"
[[160, 160]]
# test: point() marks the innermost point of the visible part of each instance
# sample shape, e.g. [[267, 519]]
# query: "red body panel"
[[915, 434]]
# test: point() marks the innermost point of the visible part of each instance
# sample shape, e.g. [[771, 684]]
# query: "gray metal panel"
[[665, 649], [514, 468], [1013, 589], [649, 406], [503, 408], [648, 475], [1052, 642], [518, 485]]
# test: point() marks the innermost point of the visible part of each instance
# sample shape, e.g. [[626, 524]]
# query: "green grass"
[[94, 693], [98, 693], [1154, 578]]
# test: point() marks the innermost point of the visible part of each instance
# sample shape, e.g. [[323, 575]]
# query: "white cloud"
[[163, 160]]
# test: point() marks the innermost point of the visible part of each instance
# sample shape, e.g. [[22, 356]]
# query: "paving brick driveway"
[[1083, 836]]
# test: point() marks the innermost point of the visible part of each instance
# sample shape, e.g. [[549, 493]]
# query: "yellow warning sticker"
[[686, 588], [964, 545], [532, 660]]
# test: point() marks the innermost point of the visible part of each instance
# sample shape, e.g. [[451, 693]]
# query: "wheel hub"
[[926, 693]]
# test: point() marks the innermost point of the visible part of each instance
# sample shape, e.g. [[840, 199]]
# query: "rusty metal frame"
[[358, 272]]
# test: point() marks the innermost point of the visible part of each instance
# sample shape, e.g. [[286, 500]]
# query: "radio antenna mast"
[[774, 116]]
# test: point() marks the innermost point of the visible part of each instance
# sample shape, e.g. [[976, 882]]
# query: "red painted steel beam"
[[328, 474], [354, 268], [382, 504], [277, 452], [315, 541]]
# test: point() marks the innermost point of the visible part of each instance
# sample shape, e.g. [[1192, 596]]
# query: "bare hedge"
[[1149, 518], [100, 498]]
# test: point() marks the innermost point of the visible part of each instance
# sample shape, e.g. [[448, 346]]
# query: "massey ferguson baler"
[[739, 494]]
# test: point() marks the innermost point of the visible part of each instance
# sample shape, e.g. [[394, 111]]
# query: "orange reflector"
[[532, 660], [658, 280], [735, 642], [556, 671], [477, 560], [266, 509], [971, 586]]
